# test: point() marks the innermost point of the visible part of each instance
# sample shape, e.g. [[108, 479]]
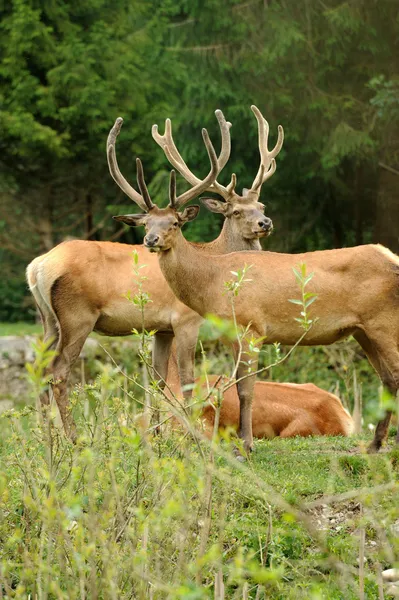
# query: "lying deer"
[[82, 286], [278, 409], [357, 291]]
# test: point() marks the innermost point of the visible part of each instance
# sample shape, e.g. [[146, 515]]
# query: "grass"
[[124, 514], [127, 514], [20, 328]]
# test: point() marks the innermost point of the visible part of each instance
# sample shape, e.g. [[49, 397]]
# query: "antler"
[[202, 185], [176, 160], [143, 200], [267, 162]]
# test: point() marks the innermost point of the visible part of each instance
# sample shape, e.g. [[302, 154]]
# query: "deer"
[[357, 291], [81, 286], [278, 410]]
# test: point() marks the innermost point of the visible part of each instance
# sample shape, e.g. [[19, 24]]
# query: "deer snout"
[[266, 224], [151, 240]]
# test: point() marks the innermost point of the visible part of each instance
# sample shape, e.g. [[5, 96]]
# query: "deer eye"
[[236, 213], [176, 224]]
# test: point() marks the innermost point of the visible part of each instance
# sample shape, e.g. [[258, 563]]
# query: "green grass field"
[[20, 328], [129, 514]]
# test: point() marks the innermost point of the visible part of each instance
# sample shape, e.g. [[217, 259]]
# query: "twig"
[[388, 168], [362, 542], [352, 494]]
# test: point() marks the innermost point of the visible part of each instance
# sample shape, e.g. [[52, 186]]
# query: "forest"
[[327, 71]]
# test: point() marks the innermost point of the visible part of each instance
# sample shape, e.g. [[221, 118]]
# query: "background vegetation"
[[126, 514], [326, 70]]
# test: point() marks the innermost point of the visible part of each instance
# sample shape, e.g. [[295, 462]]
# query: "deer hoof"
[[373, 448], [241, 458]]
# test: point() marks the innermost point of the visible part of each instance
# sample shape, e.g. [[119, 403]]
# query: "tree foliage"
[[326, 71]]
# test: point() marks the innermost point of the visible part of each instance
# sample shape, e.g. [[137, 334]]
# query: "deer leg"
[[51, 338], [72, 338], [397, 417], [160, 356], [186, 341], [245, 388], [301, 426], [385, 360]]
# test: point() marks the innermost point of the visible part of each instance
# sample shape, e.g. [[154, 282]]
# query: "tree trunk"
[[387, 213], [89, 218], [45, 230]]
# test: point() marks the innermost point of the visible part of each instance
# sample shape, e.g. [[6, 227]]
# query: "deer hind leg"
[[74, 331], [301, 426], [50, 334], [50, 338], [385, 360]]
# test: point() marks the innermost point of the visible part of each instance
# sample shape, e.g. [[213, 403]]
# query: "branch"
[[211, 47], [388, 168]]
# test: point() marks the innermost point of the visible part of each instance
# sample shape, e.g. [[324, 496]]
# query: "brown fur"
[[81, 286], [278, 409], [356, 295], [285, 410]]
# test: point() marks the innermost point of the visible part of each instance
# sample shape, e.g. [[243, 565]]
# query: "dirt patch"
[[336, 517]]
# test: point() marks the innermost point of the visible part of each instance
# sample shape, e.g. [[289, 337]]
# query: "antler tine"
[[172, 189], [209, 179], [114, 168], [172, 154], [176, 160], [226, 140], [232, 185], [143, 186], [266, 156]]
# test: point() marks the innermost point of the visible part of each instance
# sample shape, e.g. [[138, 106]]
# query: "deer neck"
[[188, 273], [229, 240]]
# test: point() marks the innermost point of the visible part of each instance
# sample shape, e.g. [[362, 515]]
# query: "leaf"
[[297, 274], [309, 302]]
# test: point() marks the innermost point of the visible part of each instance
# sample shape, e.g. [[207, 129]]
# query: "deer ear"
[[131, 220], [189, 213], [215, 205]]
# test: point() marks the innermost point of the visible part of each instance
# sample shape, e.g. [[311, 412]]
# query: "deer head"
[[161, 224], [245, 213]]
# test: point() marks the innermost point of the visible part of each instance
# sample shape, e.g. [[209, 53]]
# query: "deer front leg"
[[160, 356], [245, 388], [186, 341], [381, 433]]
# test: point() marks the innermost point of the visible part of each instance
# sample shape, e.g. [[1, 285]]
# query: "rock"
[[390, 575], [15, 352], [5, 405], [393, 591]]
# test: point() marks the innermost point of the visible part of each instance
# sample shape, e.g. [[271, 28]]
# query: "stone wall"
[[15, 352]]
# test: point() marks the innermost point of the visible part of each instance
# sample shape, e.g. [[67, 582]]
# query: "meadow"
[[128, 513]]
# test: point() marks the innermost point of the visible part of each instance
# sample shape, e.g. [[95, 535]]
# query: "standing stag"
[[357, 291], [81, 286]]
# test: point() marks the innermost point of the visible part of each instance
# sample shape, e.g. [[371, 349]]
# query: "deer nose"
[[151, 239], [265, 224]]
